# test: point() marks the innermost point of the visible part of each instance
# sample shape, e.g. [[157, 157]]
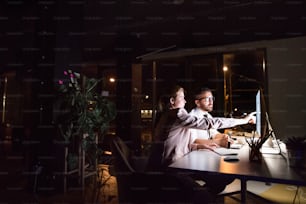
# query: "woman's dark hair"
[[164, 100]]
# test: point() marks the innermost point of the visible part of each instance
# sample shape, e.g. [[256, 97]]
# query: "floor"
[[18, 183], [16, 186]]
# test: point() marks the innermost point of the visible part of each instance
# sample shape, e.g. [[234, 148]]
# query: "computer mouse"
[[231, 159]]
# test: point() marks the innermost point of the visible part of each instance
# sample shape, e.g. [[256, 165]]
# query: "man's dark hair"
[[200, 91]]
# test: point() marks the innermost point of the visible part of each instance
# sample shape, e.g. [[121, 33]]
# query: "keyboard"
[[236, 146], [225, 151]]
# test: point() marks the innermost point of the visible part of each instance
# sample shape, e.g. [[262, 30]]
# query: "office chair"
[[143, 187]]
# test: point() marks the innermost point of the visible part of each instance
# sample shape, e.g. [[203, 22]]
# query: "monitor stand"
[[271, 144]]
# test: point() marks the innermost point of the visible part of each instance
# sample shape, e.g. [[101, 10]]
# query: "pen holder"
[[255, 154], [255, 143]]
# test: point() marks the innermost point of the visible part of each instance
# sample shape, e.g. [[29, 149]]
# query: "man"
[[204, 101], [208, 139]]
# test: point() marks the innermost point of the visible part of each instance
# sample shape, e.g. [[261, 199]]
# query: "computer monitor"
[[261, 114], [263, 125]]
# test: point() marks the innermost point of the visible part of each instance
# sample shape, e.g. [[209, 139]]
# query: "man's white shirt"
[[198, 133]]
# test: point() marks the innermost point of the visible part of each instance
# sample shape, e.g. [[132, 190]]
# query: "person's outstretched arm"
[[191, 121]]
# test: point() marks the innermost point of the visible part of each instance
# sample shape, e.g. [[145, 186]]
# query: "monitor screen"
[[261, 114], [258, 113]]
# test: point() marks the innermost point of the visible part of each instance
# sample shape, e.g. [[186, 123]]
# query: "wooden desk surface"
[[272, 168]]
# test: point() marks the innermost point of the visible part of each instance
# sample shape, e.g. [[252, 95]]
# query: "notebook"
[[225, 151]]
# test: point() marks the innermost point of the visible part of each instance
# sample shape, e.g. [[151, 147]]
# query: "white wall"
[[286, 60]]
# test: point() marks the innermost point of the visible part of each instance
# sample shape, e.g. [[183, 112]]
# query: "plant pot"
[[296, 158]]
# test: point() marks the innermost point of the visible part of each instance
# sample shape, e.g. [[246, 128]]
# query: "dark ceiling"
[[96, 29]]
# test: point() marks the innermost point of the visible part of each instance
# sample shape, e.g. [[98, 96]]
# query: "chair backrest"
[[155, 157], [124, 172], [122, 155], [140, 186]]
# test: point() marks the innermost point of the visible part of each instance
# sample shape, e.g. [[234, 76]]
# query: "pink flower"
[[60, 82], [65, 73], [71, 76]]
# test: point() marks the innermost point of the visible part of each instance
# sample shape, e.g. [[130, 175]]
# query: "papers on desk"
[[225, 151], [273, 147], [269, 150]]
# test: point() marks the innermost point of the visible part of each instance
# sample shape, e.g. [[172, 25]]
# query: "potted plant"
[[84, 117], [296, 151]]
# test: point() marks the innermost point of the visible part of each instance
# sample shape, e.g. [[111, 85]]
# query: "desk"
[[272, 168]]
